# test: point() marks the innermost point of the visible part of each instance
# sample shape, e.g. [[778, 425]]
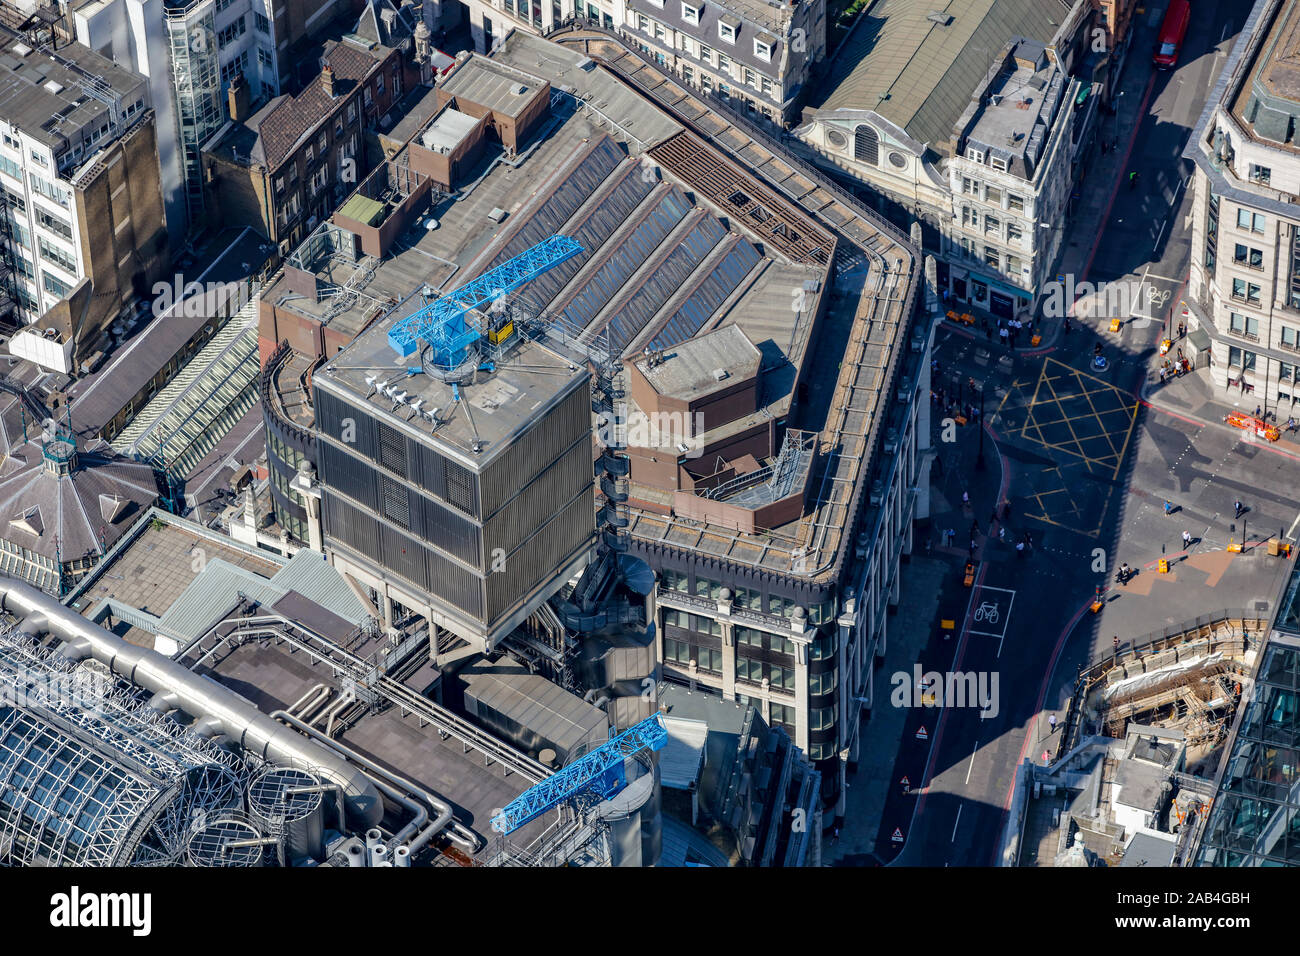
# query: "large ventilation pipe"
[[211, 704], [415, 834]]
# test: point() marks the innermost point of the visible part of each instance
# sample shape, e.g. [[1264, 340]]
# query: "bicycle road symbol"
[[987, 611]]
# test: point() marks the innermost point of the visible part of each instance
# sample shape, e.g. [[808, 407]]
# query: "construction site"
[[1130, 779]]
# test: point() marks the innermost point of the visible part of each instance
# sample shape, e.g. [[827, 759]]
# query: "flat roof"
[[476, 420], [690, 370], [448, 130], [44, 92], [491, 84]]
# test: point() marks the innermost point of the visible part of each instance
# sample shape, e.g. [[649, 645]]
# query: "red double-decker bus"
[[1172, 31]]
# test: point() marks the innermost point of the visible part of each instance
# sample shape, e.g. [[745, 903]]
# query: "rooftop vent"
[[519, 89], [720, 374], [54, 86], [939, 17]]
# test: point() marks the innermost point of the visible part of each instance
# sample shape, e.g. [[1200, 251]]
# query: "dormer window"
[[691, 14], [763, 49], [977, 155], [727, 32], [998, 163]]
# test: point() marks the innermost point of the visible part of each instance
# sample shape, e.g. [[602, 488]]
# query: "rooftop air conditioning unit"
[[891, 441], [720, 374]]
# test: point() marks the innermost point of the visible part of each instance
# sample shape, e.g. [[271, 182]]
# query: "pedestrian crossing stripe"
[[921, 734], [898, 835]]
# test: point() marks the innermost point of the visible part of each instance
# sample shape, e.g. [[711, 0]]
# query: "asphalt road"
[[1086, 466]]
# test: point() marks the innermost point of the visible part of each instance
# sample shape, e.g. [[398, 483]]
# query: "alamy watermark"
[[979, 689], [1129, 299]]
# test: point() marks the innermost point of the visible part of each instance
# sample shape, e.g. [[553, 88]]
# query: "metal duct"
[[202, 698]]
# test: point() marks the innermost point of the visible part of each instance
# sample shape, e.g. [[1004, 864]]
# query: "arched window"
[[866, 145]]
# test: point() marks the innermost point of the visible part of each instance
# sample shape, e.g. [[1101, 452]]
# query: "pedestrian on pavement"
[[1020, 549], [1004, 335], [1051, 722], [1002, 534], [1238, 507], [1182, 329], [1162, 375], [1169, 509], [965, 497], [1257, 411], [1187, 539], [1133, 180], [1115, 641]]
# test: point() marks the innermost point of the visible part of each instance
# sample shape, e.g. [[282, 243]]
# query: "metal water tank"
[[299, 818], [634, 817], [210, 845]]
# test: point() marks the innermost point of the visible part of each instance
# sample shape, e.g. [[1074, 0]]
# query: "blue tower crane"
[[443, 325], [600, 772]]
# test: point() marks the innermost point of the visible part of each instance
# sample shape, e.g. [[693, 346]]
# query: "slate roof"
[[921, 75], [749, 27], [104, 494], [370, 26], [291, 118]]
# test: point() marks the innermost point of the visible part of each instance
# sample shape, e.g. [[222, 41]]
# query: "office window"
[[708, 659], [1015, 265], [1241, 289], [749, 637], [823, 683], [230, 34], [262, 23], [782, 678], [1015, 202], [1240, 358], [992, 226], [969, 186], [1260, 174], [1290, 337], [1254, 222], [678, 652], [783, 716], [1243, 324], [1247, 256], [49, 190], [993, 195], [1014, 233], [53, 285], [821, 718], [60, 257], [992, 257], [676, 581], [750, 670], [748, 598]]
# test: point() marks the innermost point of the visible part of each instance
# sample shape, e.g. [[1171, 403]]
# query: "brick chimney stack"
[[327, 80]]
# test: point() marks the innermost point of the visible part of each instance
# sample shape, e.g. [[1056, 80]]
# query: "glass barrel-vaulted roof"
[[89, 774]]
